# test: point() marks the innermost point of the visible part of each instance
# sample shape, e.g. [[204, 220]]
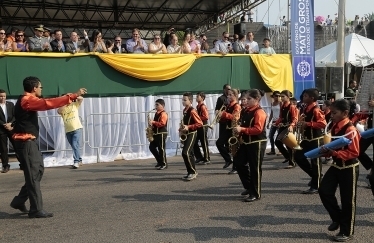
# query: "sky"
[[278, 8]]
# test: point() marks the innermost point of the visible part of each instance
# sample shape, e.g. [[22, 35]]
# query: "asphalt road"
[[130, 201]]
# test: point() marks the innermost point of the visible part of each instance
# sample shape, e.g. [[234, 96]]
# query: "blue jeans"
[[73, 139]]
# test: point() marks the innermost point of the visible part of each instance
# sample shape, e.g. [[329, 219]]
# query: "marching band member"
[[287, 120], [311, 126], [343, 172], [248, 159], [160, 132], [190, 123], [327, 112], [232, 111], [202, 111]]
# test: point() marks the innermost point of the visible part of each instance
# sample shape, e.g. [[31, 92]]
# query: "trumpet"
[[299, 132], [149, 129], [217, 118], [182, 132]]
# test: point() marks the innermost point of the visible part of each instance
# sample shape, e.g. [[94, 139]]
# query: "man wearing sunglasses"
[[118, 46], [39, 43], [224, 46]]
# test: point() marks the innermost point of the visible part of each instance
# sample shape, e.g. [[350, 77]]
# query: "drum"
[[288, 138], [327, 138]]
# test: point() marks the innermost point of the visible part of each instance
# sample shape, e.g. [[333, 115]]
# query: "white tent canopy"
[[359, 51]]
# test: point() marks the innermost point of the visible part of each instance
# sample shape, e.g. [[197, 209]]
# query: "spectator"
[[283, 21], [239, 46], [156, 47], [12, 35], [351, 90], [6, 120], [250, 45], [20, 45], [96, 43], [118, 46], [223, 46], [109, 46], [328, 20], [186, 48], [244, 18], [73, 127], [336, 18], [136, 44], [47, 34], [204, 44], [58, 45], [213, 50], [5, 44], [267, 49], [74, 45], [38, 43], [194, 44], [174, 48], [236, 37], [251, 15], [168, 36]]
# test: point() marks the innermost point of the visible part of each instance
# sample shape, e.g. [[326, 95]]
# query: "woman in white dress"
[[156, 46]]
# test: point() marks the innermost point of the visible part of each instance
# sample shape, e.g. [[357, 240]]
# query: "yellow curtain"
[[275, 70], [150, 67]]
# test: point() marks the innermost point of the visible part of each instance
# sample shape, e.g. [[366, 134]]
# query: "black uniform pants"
[[33, 168], [4, 147], [187, 153], [312, 168], [346, 179], [364, 159], [203, 138], [248, 163], [157, 148], [287, 152], [222, 142]]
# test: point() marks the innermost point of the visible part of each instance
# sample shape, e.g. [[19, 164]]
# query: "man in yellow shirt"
[[73, 127]]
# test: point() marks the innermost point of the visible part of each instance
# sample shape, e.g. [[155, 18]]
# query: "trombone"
[[217, 118]]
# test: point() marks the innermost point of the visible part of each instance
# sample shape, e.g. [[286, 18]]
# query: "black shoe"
[[285, 161], [333, 226], [157, 165], [246, 192], [271, 153], [41, 214], [290, 166], [342, 238], [227, 164], [206, 162], [163, 167], [310, 191], [251, 199], [197, 161], [21, 208], [6, 169], [233, 171]]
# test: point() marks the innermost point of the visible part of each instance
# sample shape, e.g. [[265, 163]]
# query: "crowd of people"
[[44, 41]]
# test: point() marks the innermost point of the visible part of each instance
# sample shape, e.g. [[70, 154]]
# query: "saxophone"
[[234, 143], [299, 132], [182, 132], [149, 129]]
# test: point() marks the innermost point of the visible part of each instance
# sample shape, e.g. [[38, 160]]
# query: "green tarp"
[[62, 75]]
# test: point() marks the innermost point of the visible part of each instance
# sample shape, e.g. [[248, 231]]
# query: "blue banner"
[[302, 45]]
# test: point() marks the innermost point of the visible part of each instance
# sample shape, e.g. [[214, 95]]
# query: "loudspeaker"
[[320, 74], [336, 79], [239, 28]]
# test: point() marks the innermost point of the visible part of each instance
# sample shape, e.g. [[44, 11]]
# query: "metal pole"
[[288, 28], [340, 43]]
